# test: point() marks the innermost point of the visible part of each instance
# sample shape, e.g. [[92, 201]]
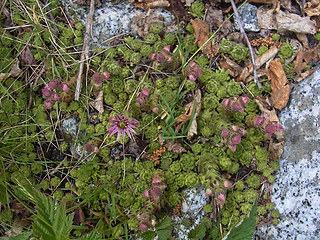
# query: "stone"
[[248, 14], [194, 200], [110, 20], [296, 190]]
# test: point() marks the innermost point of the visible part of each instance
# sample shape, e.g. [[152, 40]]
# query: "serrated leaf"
[[198, 232], [4, 197], [148, 235], [164, 234], [52, 221], [94, 235], [164, 223], [245, 229], [22, 236]]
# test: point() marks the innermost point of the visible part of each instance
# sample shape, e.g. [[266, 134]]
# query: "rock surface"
[[248, 14], [296, 191]]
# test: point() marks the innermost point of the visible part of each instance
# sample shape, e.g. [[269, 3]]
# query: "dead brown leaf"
[[304, 57], [174, 146], [201, 29], [98, 102], [183, 118], [234, 68], [141, 22], [266, 108], [279, 85], [26, 57], [79, 216], [146, 4], [312, 8], [177, 8], [264, 58], [275, 148], [283, 21], [193, 128]]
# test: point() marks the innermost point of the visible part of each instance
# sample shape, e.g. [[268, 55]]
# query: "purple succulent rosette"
[[122, 126]]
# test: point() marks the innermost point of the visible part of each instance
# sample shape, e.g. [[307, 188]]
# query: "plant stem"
[[236, 13], [85, 49]]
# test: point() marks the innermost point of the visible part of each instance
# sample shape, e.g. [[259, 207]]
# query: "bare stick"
[[85, 50], [236, 13]]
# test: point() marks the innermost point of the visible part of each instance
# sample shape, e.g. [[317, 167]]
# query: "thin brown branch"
[[85, 49], [239, 20]]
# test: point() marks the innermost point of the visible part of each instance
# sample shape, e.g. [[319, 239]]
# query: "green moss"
[[117, 85], [156, 27], [253, 181], [239, 53], [246, 158], [239, 185], [189, 28], [225, 46], [285, 51], [197, 9], [152, 132], [251, 195], [262, 210], [146, 50], [170, 39], [135, 58], [58, 194], [188, 161], [151, 37], [188, 43], [262, 50], [210, 101], [114, 69], [245, 208], [275, 37], [55, 181]]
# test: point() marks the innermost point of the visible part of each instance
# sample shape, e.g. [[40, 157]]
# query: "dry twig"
[[236, 13], [85, 50]]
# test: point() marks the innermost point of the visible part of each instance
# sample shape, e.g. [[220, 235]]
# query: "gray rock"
[[296, 191], [248, 14], [69, 127], [110, 20], [191, 209]]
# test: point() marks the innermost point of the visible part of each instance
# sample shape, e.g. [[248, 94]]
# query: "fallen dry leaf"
[[304, 57], [141, 22], [201, 30], [98, 102], [178, 10], [275, 148], [264, 58], [279, 85], [312, 8], [26, 57], [193, 128], [282, 21], [174, 146], [183, 118], [146, 4], [227, 64]]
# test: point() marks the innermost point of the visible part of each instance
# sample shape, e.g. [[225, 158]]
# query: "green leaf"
[[164, 234], [198, 232], [4, 197], [52, 221], [245, 229], [94, 235], [148, 235], [22, 236], [164, 223]]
